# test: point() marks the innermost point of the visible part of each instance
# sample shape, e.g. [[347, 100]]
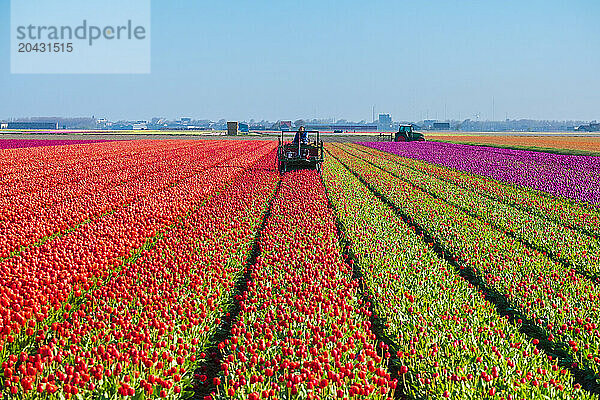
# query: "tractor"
[[407, 134], [303, 154]]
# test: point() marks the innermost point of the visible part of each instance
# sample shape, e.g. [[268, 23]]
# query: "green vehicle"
[[407, 134], [301, 153]]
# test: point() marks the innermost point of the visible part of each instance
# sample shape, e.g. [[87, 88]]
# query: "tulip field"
[[193, 269], [19, 143], [574, 177], [541, 142]]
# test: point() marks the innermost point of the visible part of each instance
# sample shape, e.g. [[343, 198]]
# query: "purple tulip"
[[574, 177]]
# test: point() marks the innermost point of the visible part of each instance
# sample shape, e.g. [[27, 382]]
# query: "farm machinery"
[[407, 134], [301, 153]]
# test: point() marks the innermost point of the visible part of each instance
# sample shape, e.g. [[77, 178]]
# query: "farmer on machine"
[[301, 136]]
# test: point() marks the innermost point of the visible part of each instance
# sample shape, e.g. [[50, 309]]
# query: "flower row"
[[303, 330], [37, 208], [574, 177], [559, 210], [20, 143], [38, 286], [141, 331], [560, 301], [568, 245], [449, 341]]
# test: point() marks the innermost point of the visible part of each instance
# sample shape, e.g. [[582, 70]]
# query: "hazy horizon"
[[314, 59]]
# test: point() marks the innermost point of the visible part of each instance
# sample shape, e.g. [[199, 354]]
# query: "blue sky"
[[291, 59]]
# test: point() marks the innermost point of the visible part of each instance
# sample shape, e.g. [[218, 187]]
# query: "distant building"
[[354, 128], [185, 121], [140, 126], [593, 127], [232, 127], [243, 127], [31, 125], [339, 128], [428, 123], [441, 126], [285, 125], [122, 126], [384, 123]]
